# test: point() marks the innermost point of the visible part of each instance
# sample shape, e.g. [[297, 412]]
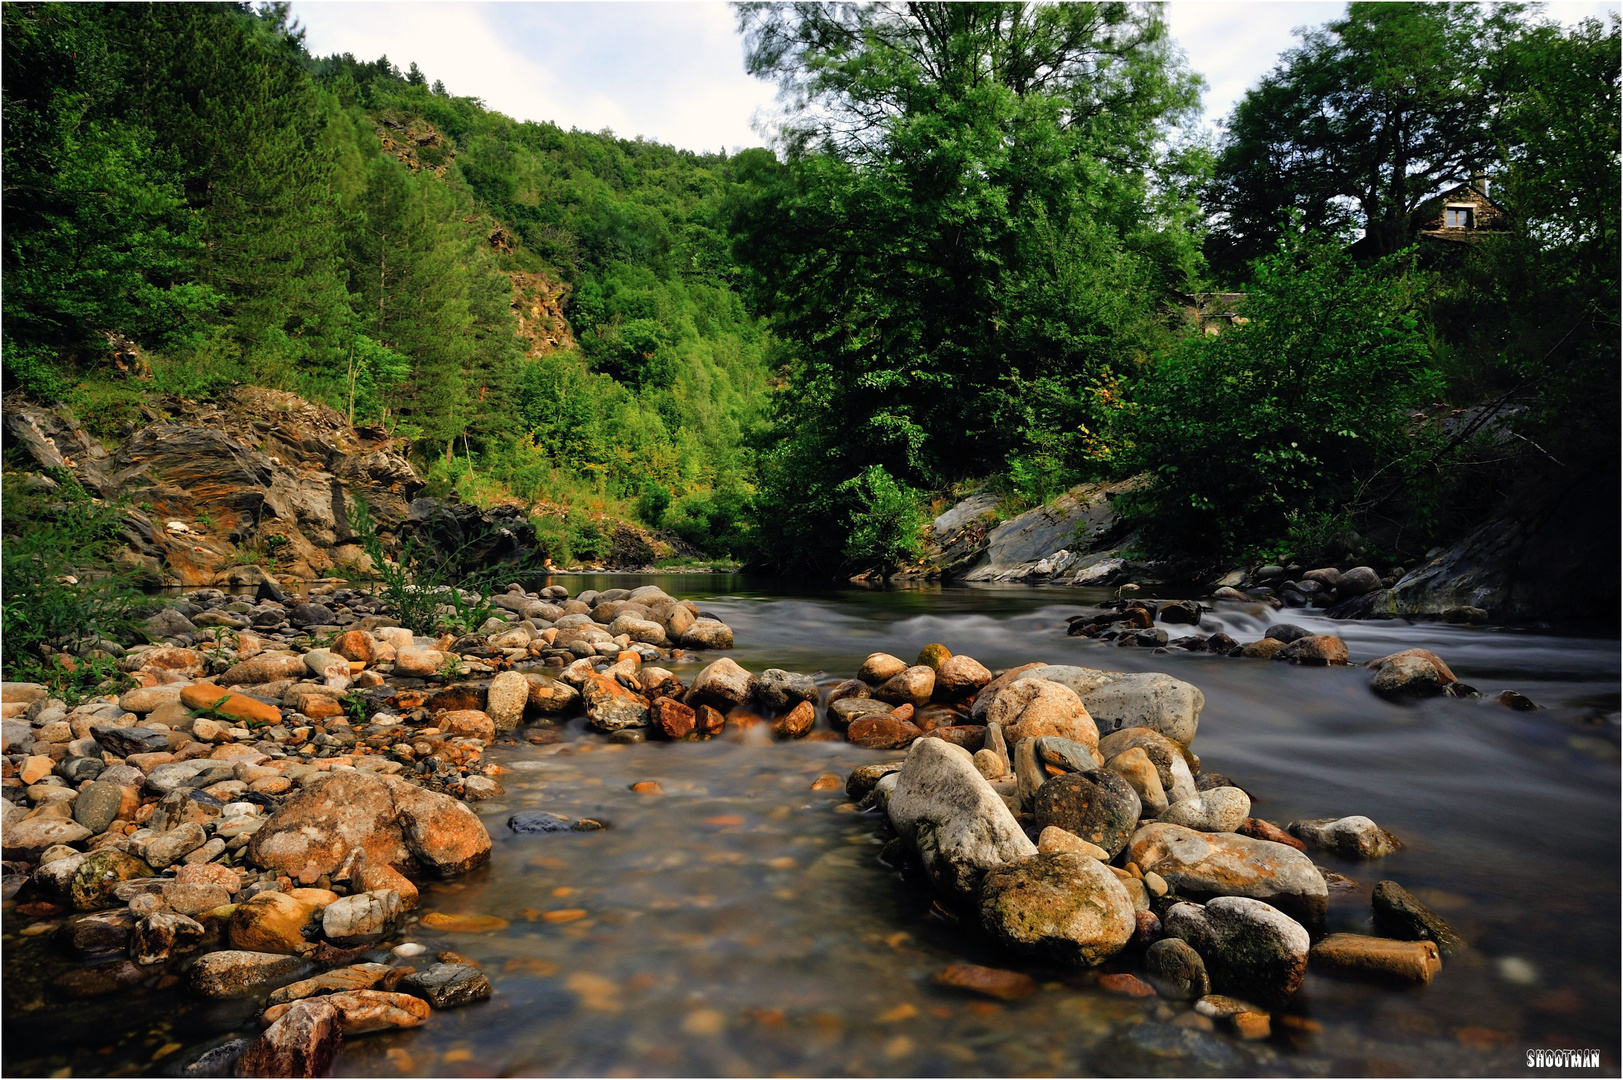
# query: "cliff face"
[[538, 304], [260, 478]]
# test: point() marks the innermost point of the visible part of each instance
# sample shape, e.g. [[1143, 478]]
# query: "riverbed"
[[740, 923]]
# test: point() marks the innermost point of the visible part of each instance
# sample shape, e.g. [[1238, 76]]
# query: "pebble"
[[992, 982]]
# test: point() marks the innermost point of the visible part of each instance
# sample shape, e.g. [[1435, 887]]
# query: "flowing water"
[[740, 923]]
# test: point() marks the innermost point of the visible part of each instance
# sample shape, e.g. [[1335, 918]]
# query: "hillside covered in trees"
[[543, 313], [969, 264]]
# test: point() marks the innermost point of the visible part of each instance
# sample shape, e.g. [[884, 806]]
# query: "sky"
[[673, 71]]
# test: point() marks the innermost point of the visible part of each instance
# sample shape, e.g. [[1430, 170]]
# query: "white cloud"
[[674, 72]]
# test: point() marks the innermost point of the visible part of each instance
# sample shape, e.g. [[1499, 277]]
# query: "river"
[[740, 923]]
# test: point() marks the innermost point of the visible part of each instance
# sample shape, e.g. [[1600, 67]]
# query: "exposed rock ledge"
[[1073, 540], [260, 472]]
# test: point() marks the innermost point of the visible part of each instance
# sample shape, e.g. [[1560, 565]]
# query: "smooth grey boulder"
[[952, 818], [1201, 865], [781, 690], [1082, 681], [1165, 705], [1219, 810], [1356, 837], [1251, 950]]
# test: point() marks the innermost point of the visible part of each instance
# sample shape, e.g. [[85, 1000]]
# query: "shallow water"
[[740, 923]]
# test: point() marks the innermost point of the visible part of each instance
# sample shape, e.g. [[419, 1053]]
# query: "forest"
[[967, 261]]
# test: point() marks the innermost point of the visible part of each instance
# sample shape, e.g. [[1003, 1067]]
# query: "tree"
[[948, 167], [1371, 116], [98, 238], [1301, 411]]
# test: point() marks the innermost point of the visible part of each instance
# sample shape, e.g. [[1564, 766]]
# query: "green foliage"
[[1371, 116], [51, 539], [1302, 410], [887, 521], [969, 231], [426, 578]]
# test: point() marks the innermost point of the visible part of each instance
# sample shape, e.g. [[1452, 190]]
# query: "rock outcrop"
[[1072, 539]]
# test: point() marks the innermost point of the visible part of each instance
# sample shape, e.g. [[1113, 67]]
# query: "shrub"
[[886, 520], [1304, 408], [62, 590]]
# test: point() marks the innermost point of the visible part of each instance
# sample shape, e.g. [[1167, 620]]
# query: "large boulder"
[[1101, 807], [1062, 906], [1028, 708], [398, 824], [953, 819], [610, 706], [1165, 705], [1201, 865], [1251, 950]]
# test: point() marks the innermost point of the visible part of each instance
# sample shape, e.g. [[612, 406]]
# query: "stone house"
[[1462, 214]]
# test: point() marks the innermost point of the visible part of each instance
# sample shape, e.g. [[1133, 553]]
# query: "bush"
[[52, 538], [1304, 408], [886, 521]]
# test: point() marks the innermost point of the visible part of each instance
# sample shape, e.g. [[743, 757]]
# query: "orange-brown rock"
[[362, 1011], [399, 824], [796, 722], [960, 676], [610, 706], [1258, 829], [883, 732], [1029, 708], [467, 723], [993, 982], [387, 877], [989, 692], [188, 662], [672, 717], [1315, 650], [708, 720], [236, 706], [355, 645]]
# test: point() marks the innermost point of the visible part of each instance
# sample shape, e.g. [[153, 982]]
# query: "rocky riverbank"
[[249, 818], [252, 823], [1081, 831], [261, 485]]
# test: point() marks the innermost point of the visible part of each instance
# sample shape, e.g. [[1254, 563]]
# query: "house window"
[[1457, 217]]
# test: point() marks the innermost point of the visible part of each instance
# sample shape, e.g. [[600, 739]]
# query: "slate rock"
[[449, 986], [1100, 807]]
